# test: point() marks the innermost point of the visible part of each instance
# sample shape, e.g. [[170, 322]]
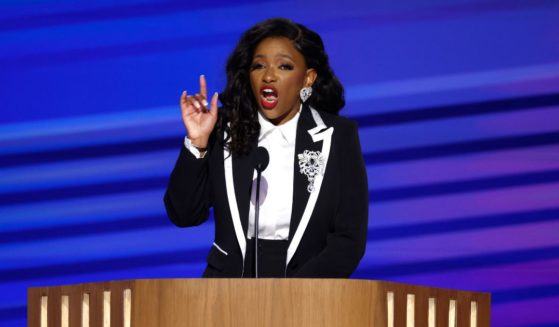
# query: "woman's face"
[[277, 74]]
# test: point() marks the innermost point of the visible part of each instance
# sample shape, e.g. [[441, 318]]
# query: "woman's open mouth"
[[268, 97]]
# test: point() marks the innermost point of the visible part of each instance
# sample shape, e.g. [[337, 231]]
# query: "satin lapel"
[[238, 178], [303, 142], [243, 171], [321, 137]]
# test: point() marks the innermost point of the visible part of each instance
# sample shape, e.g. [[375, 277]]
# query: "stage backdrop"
[[458, 110]]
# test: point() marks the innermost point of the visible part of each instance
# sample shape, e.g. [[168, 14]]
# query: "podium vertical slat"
[[54, 305], [432, 313], [95, 292], [442, 303], [483, 310], [400, 309], [421, 308], [44, 315], [75, 294], [390, 309], [106, 308], [463, 302], [127, 305], [117, 305], [410, 310], [65, 310], [34, 307]]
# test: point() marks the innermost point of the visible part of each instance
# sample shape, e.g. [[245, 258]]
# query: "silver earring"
[[305, 93]]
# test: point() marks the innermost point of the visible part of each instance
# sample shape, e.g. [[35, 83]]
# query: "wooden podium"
[[254, 302]]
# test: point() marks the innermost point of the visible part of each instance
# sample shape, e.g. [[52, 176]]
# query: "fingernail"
[[216, 94], [197, 104], [205, 102], [203, 76]]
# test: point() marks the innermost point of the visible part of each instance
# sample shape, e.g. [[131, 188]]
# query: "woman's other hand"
[[197, 118]]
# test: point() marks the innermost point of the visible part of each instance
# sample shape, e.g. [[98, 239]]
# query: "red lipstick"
[[268, 96]]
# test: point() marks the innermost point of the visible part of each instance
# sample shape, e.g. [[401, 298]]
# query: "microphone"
[[262, 158]]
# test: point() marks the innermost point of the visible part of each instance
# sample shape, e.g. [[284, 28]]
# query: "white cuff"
[[193, 149]]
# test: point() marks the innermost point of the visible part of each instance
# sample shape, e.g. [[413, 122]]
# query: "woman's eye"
[[286, 67], [256, 66]]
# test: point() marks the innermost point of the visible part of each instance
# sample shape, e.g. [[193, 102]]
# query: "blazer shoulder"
[[338, 122]]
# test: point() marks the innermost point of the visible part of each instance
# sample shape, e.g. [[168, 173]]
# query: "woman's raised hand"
[[197, 118]]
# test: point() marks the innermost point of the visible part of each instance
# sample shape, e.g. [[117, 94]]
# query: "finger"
[[185, 103], [194, 104], [203, 89], [183, 98], [202, 100], [213, 105]]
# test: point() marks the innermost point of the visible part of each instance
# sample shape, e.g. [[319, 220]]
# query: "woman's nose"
[[269, 75]]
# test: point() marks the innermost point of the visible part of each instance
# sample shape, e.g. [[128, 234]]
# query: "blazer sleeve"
[[187, 198], [345, 245]]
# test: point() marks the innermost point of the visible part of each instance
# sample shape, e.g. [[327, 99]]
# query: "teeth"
[[268, 92], [269, 95]]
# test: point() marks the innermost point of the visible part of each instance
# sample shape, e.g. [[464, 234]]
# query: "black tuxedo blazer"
[[328, 229]]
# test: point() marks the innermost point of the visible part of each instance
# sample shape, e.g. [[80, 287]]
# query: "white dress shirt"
[[276, 183]]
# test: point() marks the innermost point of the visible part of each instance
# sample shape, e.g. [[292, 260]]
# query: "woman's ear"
[[310, 77]]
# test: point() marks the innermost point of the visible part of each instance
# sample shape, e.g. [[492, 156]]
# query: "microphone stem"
[[256, 223]]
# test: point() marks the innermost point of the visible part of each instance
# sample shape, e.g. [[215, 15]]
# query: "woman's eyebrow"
[[284, 55]]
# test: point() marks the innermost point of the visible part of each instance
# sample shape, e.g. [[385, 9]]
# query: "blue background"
[[457, 103]]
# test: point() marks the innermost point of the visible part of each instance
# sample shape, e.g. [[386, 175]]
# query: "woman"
[[281, 94]]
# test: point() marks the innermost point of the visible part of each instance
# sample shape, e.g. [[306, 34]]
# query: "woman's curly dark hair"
[[239, 118]]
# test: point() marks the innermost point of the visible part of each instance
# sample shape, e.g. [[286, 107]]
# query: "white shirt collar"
[[288, 130]]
